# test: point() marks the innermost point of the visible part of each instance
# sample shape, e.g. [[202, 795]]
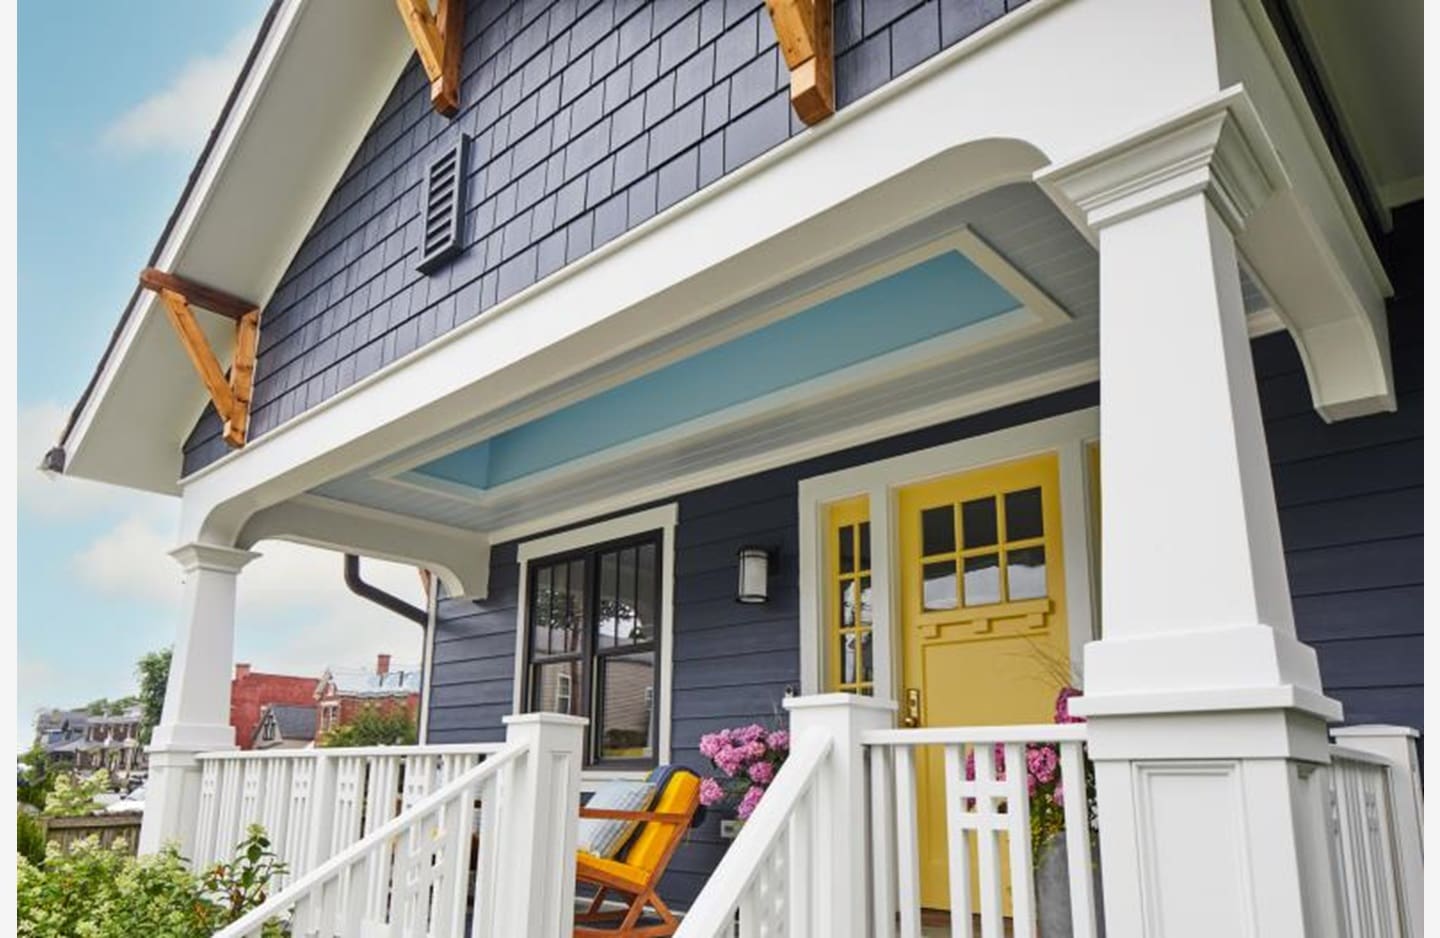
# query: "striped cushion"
[[604, 838]]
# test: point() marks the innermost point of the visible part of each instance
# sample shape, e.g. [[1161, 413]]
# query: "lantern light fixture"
[[754, 586]]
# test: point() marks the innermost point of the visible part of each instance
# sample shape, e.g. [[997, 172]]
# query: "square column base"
[[1214, 824]]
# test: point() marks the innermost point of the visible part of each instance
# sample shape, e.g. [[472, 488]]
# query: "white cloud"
[[178, 116], [294, 613], [66, 498]]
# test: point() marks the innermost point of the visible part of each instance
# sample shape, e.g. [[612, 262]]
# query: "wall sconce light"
[[754, 575]]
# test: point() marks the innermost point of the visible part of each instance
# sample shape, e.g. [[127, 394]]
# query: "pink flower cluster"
[[748, 758]]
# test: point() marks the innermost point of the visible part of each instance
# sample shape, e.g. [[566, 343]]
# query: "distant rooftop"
[[362, 682]]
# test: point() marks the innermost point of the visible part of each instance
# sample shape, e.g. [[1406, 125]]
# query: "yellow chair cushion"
[[679, 796], [624, 871]]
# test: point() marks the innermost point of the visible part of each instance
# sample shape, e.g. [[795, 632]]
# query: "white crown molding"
[[192, 557], [1217, 147]]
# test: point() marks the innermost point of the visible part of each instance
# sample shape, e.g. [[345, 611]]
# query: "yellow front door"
[[983, 627]]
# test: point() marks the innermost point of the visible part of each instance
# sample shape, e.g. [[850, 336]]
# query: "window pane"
[[939, 588], [982, 580], [1023, 518], [627, 700], [647, 623], [864, 545], [608, 629], [847, 603], [866, 614], [978, 520], [542, 613], [937, 527], [845, 547], [555, 687], [1025, 572], [575, 606], [625, 607], [867, 658], [847, 658]]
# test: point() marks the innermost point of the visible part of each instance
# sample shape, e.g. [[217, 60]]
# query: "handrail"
[[726, 886], [1355, 755], [440, 749], [288, 896], [924, 736]]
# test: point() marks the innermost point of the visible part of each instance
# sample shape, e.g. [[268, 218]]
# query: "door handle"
[[912, 707]]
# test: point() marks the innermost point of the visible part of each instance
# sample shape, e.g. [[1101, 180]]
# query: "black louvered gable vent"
[[444, 207]]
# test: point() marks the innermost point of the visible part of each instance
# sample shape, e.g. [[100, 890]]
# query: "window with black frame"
[[594, 630]]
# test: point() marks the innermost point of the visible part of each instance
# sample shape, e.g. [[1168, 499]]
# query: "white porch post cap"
[[1375, 729], [1218, 147], [838, 701], [543, 718], [212, 557]]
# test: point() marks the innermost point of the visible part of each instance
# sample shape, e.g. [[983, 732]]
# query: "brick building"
[[251, 691], [342, 692]]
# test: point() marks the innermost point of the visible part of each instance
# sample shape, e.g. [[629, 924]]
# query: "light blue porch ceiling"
[[940, 295]]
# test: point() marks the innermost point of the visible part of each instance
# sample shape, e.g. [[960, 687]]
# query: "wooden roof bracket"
[[805, 31], [231, 395], [439, 41]]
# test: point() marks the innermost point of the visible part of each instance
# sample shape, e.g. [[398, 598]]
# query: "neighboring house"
[[89, 741], [284, 726], [1082, 343], [252, 691], [342, 692], [61, 733]]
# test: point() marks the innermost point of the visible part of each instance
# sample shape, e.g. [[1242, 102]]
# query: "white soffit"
[[321, 75]]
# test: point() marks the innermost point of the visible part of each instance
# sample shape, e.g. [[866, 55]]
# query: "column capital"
[[212, 557], [1218, 147]]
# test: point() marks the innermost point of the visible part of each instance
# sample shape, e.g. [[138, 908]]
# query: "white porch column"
[[196, 717], [542, 817], [841, 848], [1206, 713]]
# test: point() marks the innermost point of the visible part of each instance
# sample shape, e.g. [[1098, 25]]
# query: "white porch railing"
[[313, 803], [512, 817], [1365, 850], [987, 837], [842, 818]]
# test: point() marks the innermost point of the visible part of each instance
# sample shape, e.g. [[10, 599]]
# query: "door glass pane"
[[627, 699], [847, 658], [937, 530], [1025, 573], [647, 623], [1023, 518], [608, 628], [845, 547], [555, 687], [847, 603], [866, 614], [982, 580], [867, 659], [977, 519], [864, 545], [939, 588]]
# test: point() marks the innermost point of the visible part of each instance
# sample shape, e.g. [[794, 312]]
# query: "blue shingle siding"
[[587, 118]]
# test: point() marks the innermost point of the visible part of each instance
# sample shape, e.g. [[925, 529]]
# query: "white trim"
[[880, 481], [1035, 309], [663, 518], [892, 425]]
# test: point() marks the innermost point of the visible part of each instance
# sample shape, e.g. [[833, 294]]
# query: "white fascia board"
[[319, 77], [919, 143]]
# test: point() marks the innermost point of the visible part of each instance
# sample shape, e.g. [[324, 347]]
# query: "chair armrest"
[[609, 814]]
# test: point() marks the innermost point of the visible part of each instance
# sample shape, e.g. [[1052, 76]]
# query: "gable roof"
[[400, 680], [315, 77], [291, 722]]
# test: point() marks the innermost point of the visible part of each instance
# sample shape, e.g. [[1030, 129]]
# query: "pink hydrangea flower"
[[1041, 763], [751, 733], [748, 803], [710, 792], [755, 748], [1062, 706], [1059, 794], [999, 763], [778, 740], [762, 773], [712, 743]]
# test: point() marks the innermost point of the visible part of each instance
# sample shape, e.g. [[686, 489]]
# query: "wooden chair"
[[634, 874]]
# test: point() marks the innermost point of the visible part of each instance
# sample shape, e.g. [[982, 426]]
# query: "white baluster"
[[907, 843], [1078, 850], [799, 865], [209, 814], [961, 907], [1017, 815]]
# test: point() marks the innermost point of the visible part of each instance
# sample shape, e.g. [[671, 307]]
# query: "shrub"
[[94, 892], [748, 758], [372, 726], [30, 837], [74, 794]]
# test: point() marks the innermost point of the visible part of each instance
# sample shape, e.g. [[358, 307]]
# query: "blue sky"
[[114, 104]]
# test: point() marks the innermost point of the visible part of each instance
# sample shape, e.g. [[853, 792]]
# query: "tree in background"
[[153, 671], [372, 726]]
